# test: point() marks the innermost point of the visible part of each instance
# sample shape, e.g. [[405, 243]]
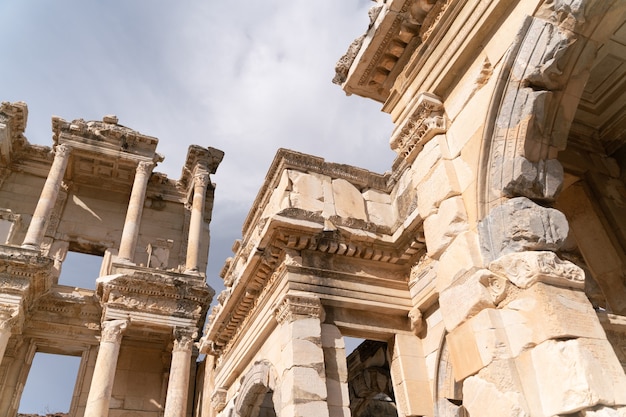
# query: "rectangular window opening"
[[50, 384], [80, 270]]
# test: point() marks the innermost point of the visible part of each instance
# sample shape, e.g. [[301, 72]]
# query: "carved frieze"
[[218, 399], [526, 268]]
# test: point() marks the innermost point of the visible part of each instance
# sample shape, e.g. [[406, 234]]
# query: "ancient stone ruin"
[[486, 269]]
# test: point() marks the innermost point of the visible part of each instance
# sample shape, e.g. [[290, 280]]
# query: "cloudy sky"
[[246, 77]]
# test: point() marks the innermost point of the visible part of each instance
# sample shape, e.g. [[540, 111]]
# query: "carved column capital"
[[7, 319], [112, 331], [183, 339], [218, 399], [201, 178], [294, 307], [145, 167], [62, 151]]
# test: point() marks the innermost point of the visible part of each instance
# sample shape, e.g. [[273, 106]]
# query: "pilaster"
[[303, 375]]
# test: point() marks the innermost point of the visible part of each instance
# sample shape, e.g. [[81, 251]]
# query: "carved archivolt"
[[530, 115]]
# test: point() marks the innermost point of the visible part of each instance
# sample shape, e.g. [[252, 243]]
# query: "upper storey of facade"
[[100, 163]]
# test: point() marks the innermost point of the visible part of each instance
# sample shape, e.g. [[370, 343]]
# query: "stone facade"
[[488, 263], [95, 192], [486, 269]]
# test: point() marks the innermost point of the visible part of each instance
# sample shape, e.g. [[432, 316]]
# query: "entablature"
[[156, 298]]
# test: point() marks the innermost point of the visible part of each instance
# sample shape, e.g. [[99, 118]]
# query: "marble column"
[[134, 211], [6, 323], [200, 183], [104, 372], [178, 384], [48, 197]]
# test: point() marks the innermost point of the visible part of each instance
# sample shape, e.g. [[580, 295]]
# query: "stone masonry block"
[[464, 299], [462, 255], [349, 202], [568, 376], [442, 227], [442, 183], [381, 213], [519, 224], [483, 398]]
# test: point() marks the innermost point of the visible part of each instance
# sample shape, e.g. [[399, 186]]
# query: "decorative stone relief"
[[526, 268], [416, 320], [295, 306], [218, 399]]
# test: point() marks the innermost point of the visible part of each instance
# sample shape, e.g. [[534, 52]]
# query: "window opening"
[[50, 384], [80, 270]]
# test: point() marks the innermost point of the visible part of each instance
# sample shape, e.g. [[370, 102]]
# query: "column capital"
[[6, 320], [201, 178], [299, 306], [112, 331], [63, 150], [145, 167], [183, 339]]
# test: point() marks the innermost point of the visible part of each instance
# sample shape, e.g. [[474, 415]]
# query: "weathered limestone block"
[[527, 268], [464, 299], [541, 180], [477, 343], [442, 227], [382, 214], [410, 376], [601, 411], [426, 159], [336, 371], [307, 192], [483, 398], [568, 376], [440, 185], [280, 196], [349, 201], [540, 313], [462, 255], [520, 224]]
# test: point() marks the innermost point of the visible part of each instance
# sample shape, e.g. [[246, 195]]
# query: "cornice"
[[373, 61]]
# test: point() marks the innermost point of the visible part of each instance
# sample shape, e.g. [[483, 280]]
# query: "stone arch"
[[258, 391], [535, 98]]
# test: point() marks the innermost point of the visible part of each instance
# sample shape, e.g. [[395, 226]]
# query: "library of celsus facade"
[[486, 269]]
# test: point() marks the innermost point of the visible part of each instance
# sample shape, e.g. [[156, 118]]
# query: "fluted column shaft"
[[178, 385], [48, 198], [200, 183], [130, 233], [104, 372]]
